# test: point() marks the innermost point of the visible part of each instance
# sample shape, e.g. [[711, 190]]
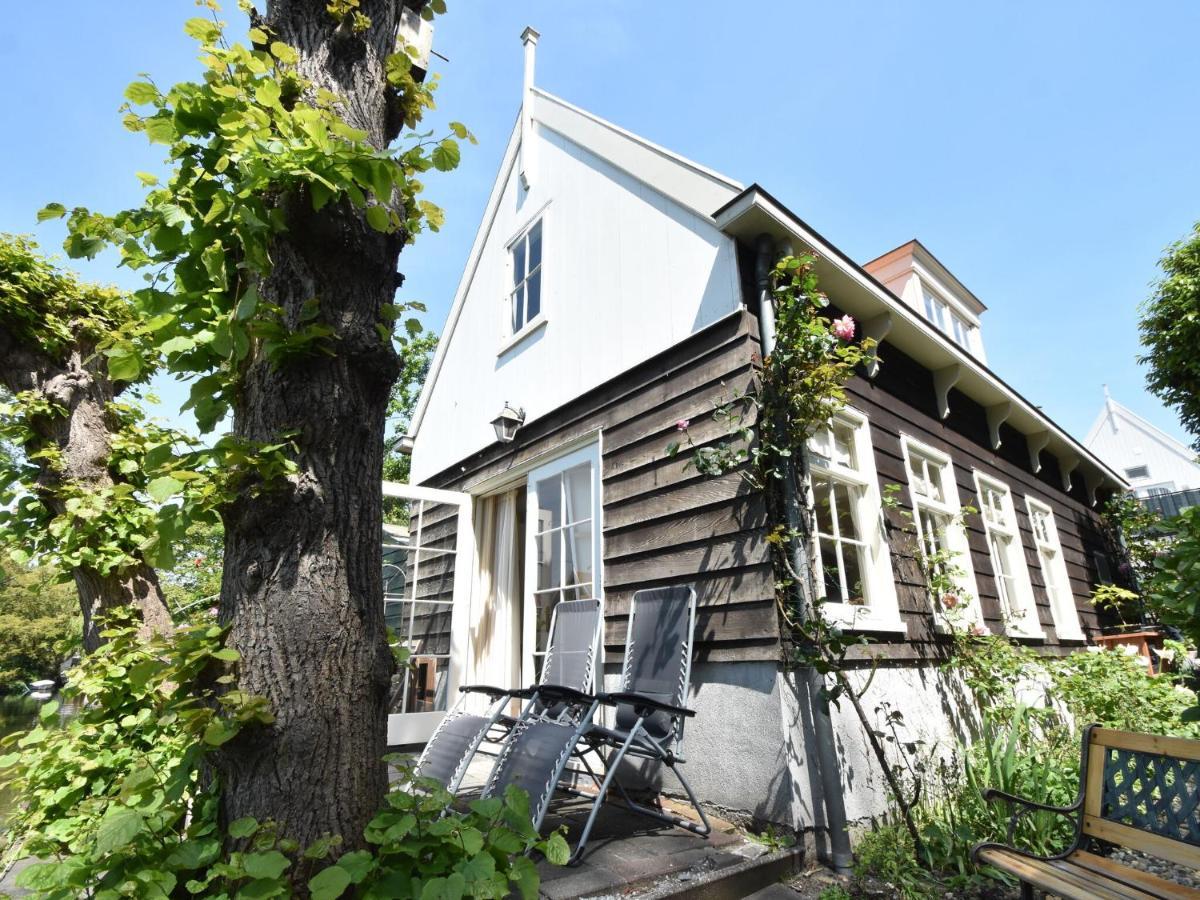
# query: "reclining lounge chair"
[[571, 663], [648, 722]]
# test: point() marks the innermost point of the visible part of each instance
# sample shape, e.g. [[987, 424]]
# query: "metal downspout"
[[840, 854]]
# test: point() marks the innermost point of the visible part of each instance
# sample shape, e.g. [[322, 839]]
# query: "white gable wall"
[[626, 274], [1124, 440]]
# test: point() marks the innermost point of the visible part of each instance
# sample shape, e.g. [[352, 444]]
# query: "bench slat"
[[1066, 881], [1137, 839], [1159, 887]]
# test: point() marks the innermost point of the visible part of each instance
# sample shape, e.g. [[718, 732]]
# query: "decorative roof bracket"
[[1067, 464], [1092, 481], [1037, 443], [876, 328], [997, 415], [943, 380]]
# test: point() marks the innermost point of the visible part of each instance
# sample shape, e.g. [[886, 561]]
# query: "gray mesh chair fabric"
[[649, 718], [575, 634]]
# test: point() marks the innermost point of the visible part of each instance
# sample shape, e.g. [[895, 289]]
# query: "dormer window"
[[947, 321], [525, 298]]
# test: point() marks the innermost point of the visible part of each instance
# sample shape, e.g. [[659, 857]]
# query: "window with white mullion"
[[848, 546], [525, 298], [1054, 570], [1010, 570]]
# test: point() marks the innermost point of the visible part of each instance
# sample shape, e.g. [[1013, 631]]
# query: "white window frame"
[[590, 453], [1018, 607], [509, 337], [882, 611], [954, 537], [1054, 573], [948, 320]]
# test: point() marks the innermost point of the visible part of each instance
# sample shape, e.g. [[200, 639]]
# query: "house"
[[610, 294], [1162, 472]]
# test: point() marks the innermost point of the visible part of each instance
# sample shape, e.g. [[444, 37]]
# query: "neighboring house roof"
[[1116, 416], [746, 213]]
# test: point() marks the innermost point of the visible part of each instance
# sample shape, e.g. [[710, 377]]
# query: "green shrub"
[[39, 624], [118, 801], [887, 853]]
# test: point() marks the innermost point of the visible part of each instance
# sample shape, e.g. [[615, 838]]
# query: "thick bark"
[[302, 587], [79, 384]]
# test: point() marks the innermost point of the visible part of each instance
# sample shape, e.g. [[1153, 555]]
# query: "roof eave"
[[755, 211]]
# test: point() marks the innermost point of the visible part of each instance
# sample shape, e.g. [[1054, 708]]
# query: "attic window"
[[947, 321], [1138, 472], [525, 299]]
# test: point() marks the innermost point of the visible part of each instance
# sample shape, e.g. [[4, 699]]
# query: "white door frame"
[[589, 453], [416, 728]]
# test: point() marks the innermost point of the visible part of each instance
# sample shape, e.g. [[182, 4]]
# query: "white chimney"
[[528, 160]]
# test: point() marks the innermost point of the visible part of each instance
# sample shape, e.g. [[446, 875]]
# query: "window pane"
[[579, 493], [535, 246], [427, 685], [517, 308], [518, 256], [852, 558], [430, 628], [843, 498], [821, 445], [548, 564], [843, 445], [821, 493], [549, 500], [533, 296], [829, 571], [544, 603], [579, 553]]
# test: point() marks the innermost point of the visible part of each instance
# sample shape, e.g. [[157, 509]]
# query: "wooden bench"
[[1139, 791]]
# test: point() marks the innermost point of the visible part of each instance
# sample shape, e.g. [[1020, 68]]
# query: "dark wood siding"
[[663, 521], [901, 400]]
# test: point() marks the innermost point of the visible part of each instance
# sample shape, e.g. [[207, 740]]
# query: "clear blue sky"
[[1046, 152]]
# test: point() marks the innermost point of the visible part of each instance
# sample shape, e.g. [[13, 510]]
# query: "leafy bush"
[[38, 624], [118, 801], [887, 853]]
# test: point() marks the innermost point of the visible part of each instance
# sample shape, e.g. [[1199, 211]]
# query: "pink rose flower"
[[978, 630], [682, 424], [843, 328], [949, 600]]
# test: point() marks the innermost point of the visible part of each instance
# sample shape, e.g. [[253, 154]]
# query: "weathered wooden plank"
[[691, 496], [734, 551], [730, 586], [714, 624], [744, 514]]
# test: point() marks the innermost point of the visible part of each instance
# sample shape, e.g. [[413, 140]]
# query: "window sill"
[[530, 327], [862, 618], [1077, 637], [1018, 635]]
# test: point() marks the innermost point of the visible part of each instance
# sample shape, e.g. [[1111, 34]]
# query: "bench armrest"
[[1021, 808], [641, 702]]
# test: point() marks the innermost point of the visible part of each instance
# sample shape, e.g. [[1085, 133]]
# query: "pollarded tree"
[[1170, 327], [273, 246], [61, 494]]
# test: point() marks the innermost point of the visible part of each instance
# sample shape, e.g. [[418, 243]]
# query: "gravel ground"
[[1160, 867]]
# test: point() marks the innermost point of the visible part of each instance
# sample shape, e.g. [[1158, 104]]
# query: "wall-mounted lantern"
[[507, 423]]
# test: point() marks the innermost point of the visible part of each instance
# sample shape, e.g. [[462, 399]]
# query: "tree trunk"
[[80, 385], [302, 587]]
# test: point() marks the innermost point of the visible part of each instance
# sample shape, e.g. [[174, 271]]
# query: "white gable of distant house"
[[1148, 457], [632, 263]]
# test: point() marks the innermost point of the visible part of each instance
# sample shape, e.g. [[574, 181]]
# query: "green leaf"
[[228, 654], [217, 733], [119, 826], [160, 129], [141, 93], [271, 864], [247, 304], [242, 828], [525, 874], [125, 367], [257, 36], [329, 883], [9, 760], [163, 488], [267, 93], [358, 864], [283, 52], [446, 155], [51, 211], [147, 179], [556, 849], [377, 218]]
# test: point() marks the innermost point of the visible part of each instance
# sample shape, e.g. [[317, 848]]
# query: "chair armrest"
[[493, 692], [554, 692], [640, 702]]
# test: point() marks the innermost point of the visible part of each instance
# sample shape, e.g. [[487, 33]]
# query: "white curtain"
[[494, 649]]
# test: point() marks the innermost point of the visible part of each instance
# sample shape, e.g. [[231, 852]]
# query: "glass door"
[[427, 539], [562, 558]]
